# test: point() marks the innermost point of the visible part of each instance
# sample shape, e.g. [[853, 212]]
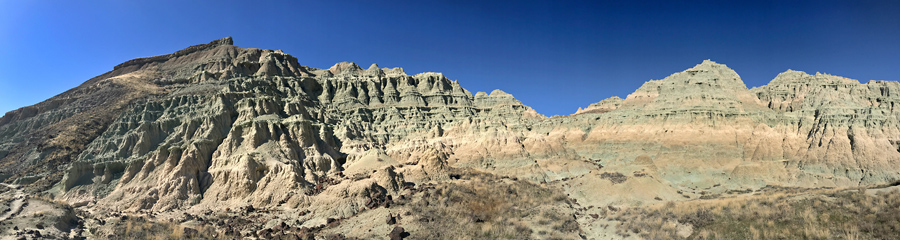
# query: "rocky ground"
[[27, 217], [218, 141]]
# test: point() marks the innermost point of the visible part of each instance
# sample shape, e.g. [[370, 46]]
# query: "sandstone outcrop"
[[606, 105], [216, 126]]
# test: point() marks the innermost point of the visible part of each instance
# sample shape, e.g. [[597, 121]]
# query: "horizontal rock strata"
[[221, 126]]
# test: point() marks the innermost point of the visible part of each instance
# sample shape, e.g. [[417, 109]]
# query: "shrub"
[[614, 177]]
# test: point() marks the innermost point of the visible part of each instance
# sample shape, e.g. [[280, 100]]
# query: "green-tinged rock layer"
[[217, 126]]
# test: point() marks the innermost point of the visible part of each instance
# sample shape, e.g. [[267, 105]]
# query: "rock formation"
[[216, 126]]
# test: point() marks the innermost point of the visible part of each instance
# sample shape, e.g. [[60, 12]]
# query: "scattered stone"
[[391, 220], [152, 114], [398, 233]]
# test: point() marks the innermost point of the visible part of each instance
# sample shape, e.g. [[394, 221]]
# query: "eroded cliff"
[[216, 127]]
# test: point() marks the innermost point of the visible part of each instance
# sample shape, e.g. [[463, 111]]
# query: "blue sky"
[[555, 56]]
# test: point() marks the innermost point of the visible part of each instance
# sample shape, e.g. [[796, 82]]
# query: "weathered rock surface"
[[216, 126], [606, 105]]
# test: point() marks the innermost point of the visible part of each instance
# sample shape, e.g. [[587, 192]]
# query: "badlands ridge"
[[247, 139]]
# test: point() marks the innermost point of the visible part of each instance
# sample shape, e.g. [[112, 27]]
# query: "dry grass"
[[819, 214], [140, 228], [483, 206]]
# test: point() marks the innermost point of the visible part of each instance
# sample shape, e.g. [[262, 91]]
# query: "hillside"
[[219, 140]]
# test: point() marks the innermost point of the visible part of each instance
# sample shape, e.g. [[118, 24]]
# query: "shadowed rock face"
[[217, 126], [231, 125]]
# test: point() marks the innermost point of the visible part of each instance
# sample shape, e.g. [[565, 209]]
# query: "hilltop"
[[245, 142]]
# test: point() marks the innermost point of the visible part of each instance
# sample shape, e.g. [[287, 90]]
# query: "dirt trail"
[[16, 205]]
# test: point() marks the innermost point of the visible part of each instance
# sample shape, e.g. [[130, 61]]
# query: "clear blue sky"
[[555, 56]]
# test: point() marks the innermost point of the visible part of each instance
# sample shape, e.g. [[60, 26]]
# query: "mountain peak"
[[227, 41], [215, 127], [706, 87], [711, 70], [394, 71], [801, 76], [344, 67], [374, 70], [790, 74], [496, 97], [223, 41], [710, 64], [498, 93]]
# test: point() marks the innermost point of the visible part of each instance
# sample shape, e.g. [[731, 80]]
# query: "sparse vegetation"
[[140, 228], [483, 206], [614, 177], [816, 214]]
